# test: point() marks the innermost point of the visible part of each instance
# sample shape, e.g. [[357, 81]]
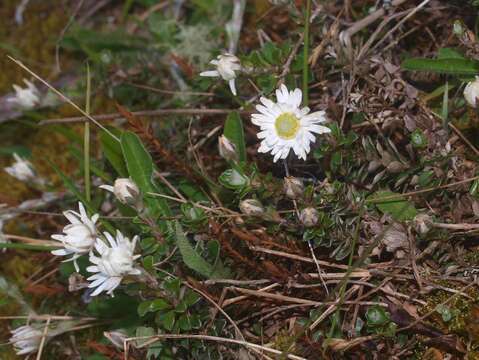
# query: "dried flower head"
[[79, 236], [226, 67], [26, 98], [113, 263], [26, 339]]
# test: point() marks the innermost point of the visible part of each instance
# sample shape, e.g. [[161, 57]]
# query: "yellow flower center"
[[287, 126]]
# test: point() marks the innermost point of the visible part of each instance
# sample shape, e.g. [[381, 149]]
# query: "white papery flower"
[[26, 98], [226, 65], [79, 236], [22, 169], [115, 262], [471, 92], [285, 126], [26, 339], [125, 190]]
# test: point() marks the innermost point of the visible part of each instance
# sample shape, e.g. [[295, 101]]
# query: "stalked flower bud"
[[471, 92], [227, 149], [116, 337], [309, 216], [126, 191], [422, 223], [293, 187], [251, 207]]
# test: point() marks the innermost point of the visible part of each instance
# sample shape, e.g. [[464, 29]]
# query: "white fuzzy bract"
[[471, 92], [26, 98], [285, 126], [26, 339], [125, 190], [79, 236], [226, 67], [22, 169], [113, 263]]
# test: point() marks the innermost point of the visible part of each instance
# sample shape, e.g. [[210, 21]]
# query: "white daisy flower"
[[226, 65], [471, 92], [22, 169], [115, 262], [125, 190], [79, 236], [26, 98], [285, 126], [26, 339]]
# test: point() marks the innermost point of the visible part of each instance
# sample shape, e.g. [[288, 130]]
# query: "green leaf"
[[113, 152], [233, 179], [166, 320], [399, 209], [453, 66], [376, 316], [448, 53], [234, 131], [192, 259], [140, 168], [152, 306]]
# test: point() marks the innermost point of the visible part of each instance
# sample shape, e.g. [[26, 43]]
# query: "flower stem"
[[86, 143], [306, 53]]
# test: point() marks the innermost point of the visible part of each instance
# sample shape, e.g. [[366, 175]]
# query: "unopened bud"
[[126, 191], [395, 167], [227, 149], [293, 187], [116, 337], [471, 92], [251, 207], [309, 216], [422, 223]]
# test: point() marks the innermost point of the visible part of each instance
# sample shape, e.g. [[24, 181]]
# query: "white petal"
[[211, 73], [232, 86]]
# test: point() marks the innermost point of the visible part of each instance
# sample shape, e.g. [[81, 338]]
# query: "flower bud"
[[251, 207], [116, 337], [471, 92], [422, 223], [309, 216], [227, 149], [126, 191], [293, 187]]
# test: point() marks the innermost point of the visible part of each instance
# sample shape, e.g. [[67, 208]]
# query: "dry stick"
[[295, 300], [411, 14], [145, 113], [412, 255], [456, 226], [243, 297], [297, 257], [63, 97], [46, 317], [42, 342], [292, 55], [346, 35], [332, 308], [156, 338], [411, 193], [171, 92], [30, 240]]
